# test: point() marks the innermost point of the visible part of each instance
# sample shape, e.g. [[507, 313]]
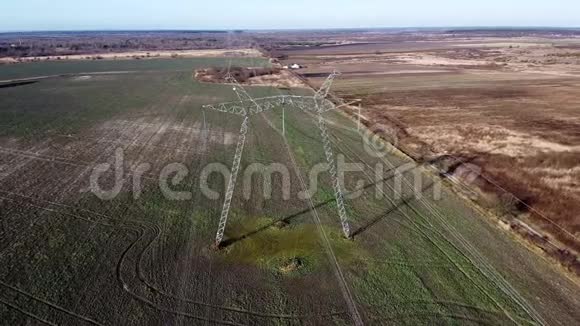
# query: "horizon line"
[[209, 30]]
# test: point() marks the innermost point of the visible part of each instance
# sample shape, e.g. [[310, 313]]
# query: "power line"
[[247, 106]]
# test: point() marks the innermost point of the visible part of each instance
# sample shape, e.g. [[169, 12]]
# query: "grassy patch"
[[34, 69], [263, 242]]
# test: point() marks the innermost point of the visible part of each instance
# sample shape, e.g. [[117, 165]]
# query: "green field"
[[50, 68], [68, 257]]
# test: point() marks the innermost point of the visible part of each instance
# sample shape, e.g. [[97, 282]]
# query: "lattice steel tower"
[[248, 106]]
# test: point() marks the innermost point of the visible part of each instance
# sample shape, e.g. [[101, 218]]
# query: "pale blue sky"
[[26, 15]]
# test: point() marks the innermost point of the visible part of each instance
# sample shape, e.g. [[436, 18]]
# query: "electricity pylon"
[[247, 106], [321, 101], [243, 96]]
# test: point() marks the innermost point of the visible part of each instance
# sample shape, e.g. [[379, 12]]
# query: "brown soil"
[[274, 77], [291, 266], [499, 129], [508, 109]]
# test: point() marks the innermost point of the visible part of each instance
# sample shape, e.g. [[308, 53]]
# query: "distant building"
[[293, 66]]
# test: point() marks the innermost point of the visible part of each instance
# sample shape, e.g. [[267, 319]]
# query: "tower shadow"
[[287, 219], [406, 201]]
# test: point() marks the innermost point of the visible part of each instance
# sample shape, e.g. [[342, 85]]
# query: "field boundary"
[[560, 255], [520, 231], [136, 55]]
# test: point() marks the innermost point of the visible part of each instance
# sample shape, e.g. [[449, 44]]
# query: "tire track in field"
[[348, 297], [476, 259], [187, 137], [22, 311], [71, 313], [419, 229], [515, 297], [36, 298], [155, 229], [131, 226], [428, 238], [467, 306], [111, 225], [85, 170], [71, 186], [59, 160], [21, 164], [157, 233], [5, 175], [120, 72], [480, 263], [438, 315], [143, 230], [65, 191]]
